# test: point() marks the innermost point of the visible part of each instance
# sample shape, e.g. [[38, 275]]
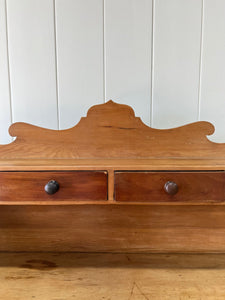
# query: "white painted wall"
[[165, 58]]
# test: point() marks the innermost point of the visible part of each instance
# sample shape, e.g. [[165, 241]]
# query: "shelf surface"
[[68, 276]]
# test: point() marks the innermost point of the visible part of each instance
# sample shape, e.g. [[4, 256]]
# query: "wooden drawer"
[[75, 185], [170, 186]]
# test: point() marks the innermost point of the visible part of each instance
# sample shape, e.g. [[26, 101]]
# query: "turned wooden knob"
[[171, 187], [51, 187]]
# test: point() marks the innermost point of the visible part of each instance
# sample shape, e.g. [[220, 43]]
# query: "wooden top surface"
[[111, 136], [69, 276], [111, 164]]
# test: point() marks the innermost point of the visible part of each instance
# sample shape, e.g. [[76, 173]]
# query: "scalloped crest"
[[111, 130]]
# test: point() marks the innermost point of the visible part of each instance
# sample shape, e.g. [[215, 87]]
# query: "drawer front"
[[170, 186], [29, 186]]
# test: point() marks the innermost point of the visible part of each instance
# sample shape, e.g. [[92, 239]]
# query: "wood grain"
[[112, 164], [112, 131], [149, 186], [73, 186], [99, 228], [110, 139], [69, 276]]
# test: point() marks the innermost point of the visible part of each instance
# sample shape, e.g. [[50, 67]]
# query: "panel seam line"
[[152, 63], [8, 63], [200, 64], [104, 52], [56, 66]]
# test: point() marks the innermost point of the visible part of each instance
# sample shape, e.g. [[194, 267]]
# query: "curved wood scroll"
[[111, 130]]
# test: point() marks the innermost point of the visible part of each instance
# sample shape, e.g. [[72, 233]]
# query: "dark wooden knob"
[[51, 187], [171, 187]]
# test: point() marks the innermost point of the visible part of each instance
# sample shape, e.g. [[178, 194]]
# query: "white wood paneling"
[[5, 114], [128, 35], [177, 36], [32, 61], [79, 35], [165, 58], [213, 67]]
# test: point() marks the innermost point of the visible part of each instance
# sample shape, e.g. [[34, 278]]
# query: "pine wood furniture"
[[95, 276], [111, 183]]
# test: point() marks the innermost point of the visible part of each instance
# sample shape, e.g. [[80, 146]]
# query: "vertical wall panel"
[[5, 118], [32, 61], [128, 35], [177, 36], [72, 54], [79, 35], [213, 67]]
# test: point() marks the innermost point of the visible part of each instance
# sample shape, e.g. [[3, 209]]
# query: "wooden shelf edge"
[[106, 203]]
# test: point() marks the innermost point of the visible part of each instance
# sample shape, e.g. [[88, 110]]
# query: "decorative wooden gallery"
[[111, 183]]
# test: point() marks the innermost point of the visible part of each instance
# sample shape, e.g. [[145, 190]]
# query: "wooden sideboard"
[[111, 183]]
